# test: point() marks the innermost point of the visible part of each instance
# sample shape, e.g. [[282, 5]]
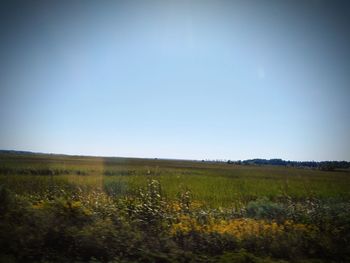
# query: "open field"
[[216, 184], [203, 212]]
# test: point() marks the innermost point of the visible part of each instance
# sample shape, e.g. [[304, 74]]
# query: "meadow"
[[58, 208]]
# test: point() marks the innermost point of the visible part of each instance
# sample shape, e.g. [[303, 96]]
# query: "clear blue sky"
[[177, 79]]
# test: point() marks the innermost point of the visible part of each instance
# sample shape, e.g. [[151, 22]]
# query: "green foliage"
[[115, 187], [264, 208], [149, 209], [71, 209]]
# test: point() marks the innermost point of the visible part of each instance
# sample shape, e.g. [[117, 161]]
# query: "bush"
[[96, 227], [263, 208]]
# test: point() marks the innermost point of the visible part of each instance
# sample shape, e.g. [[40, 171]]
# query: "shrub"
[[265, 209]]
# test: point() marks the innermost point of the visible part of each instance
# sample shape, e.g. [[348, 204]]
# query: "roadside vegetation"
[[85, 209]]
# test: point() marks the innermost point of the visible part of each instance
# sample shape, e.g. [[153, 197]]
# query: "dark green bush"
[[263, 208]]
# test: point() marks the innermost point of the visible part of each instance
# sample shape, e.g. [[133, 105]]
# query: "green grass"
[[215, 184], [89, 209]]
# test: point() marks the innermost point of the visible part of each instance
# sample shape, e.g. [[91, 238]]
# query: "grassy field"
[[216, 184], [206, 212]]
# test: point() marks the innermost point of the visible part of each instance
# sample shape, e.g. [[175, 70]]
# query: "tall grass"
[[67, 209]]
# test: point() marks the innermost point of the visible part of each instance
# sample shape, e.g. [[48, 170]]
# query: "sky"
[[176, 79]]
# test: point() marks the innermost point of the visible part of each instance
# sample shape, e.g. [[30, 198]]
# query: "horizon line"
[[161, 158]]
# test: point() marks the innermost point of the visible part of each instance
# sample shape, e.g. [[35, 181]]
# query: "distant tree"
[[327, 166]]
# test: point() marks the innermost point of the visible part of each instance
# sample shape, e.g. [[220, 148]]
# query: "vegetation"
[[87, 209], [325, 165]]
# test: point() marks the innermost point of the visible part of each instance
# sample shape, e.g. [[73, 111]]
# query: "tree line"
[[323, 165]]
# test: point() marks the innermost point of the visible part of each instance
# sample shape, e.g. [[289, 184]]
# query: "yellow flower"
[[38, 205]]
